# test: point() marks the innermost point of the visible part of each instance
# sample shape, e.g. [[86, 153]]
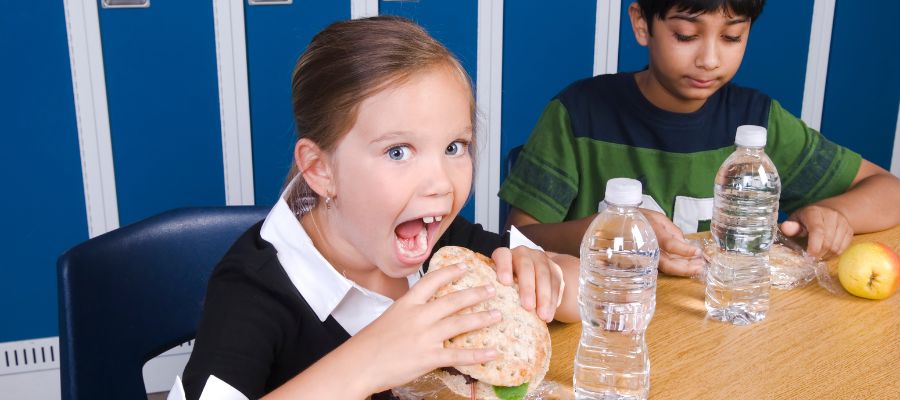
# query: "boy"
[[671, 126]]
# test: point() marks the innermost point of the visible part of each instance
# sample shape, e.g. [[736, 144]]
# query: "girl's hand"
[[539, 278], [407, 341], [828, 232]]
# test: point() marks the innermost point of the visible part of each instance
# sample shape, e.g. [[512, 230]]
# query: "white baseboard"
[[33, 385], [29, 369]]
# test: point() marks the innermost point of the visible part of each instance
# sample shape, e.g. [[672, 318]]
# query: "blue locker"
[[43, 197], [862, 92], [544, 50], [276, 36], [162, 90]]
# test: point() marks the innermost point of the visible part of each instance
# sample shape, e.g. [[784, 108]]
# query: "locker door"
[[862, 92], [163, 96], [43, 200], [276, 36]]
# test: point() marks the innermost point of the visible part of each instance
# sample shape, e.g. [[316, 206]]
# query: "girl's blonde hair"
[[348, 62]]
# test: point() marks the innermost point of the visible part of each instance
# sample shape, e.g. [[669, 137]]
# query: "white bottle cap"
[[750, 136], [623, 191]]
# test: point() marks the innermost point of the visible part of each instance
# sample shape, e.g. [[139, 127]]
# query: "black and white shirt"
[[274, 305]]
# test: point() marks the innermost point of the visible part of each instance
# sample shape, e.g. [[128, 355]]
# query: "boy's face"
[[402, 172], [691, 55]]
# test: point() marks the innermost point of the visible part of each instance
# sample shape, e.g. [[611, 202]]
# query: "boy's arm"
[[677, 257], [869, 205], [561, 237]]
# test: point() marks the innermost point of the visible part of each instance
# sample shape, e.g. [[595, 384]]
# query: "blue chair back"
[[135, 292]]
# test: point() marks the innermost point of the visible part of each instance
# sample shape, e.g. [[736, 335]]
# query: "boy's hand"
[[539, 278], [407, 341], [827, 230], [676, 256]]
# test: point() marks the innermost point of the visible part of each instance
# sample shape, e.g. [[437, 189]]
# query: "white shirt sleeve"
[[215, 389]]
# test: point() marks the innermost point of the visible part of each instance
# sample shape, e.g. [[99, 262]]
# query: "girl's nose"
[[436, 179]]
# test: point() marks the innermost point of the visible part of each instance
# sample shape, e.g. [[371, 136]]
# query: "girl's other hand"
[[539, 278], [407, 341]]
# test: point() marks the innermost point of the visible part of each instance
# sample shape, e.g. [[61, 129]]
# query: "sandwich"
[[521, 338]]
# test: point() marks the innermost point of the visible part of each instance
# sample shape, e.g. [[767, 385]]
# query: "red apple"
[[870, 270]]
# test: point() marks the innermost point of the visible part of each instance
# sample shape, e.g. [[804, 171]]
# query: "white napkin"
[[215, 389], [517, 239]]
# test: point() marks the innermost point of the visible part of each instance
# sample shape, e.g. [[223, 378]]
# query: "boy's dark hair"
[[653, 9]]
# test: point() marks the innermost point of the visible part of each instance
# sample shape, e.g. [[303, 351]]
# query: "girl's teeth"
[[428, 220], [438, 218]]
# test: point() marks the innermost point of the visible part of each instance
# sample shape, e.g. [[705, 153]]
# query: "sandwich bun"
[[521, 338]]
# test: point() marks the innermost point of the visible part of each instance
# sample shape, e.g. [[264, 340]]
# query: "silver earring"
[[328, 202]]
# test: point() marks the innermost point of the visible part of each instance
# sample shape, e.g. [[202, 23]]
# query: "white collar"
[[324, 289]]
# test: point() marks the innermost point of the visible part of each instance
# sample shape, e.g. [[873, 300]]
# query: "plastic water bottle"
[[617, 297], [745, 216]]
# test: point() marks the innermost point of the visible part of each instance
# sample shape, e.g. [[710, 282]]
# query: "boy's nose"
[[708, 58]]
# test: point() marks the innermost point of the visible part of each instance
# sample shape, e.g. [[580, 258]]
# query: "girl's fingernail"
[[490, 353], [496, 315], [462, 266]]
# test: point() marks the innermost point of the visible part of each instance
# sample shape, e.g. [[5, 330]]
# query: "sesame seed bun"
[[521, 338]]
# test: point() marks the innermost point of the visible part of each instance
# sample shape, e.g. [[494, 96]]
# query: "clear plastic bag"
[[790, 266], [430, 387]]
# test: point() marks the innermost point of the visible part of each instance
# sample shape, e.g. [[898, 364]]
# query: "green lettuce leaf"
[[511, 392]]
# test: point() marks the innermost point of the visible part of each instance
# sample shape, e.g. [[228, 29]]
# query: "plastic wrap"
[[790, 266], [430, 387]]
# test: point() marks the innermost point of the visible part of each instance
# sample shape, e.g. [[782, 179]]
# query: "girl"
[[325, 298]]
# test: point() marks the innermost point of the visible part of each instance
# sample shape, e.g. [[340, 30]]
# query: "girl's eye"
[[456, 148], [733, 39], [398, 153], [684, 38]]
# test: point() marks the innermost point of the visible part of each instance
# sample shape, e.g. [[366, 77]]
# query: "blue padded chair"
[[135, 292]]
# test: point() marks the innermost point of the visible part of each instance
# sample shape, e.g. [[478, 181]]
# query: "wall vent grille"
[[29, 355]]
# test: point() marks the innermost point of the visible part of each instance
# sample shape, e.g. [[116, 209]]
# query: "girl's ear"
[[313, 165], [638, 24]]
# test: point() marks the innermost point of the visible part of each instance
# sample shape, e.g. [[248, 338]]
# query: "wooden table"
[[812, 345]]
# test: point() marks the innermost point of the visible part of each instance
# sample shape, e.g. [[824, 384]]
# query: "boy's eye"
[[398, 153], [456, 148], [734, 39], [684, 38]]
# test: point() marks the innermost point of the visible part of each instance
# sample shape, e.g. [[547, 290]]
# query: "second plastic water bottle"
[[745, 214], [617, 297]]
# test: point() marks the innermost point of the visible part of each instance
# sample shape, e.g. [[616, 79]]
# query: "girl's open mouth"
[[414, 237]]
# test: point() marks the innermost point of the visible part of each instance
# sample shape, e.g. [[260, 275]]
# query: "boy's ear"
[[639, 24], [314, 166]]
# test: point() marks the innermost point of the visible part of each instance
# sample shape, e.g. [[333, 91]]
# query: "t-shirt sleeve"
[[544, 180], [237, 337], [811, 167]]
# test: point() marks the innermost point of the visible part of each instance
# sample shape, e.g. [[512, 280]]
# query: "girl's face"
[[402, 173]]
